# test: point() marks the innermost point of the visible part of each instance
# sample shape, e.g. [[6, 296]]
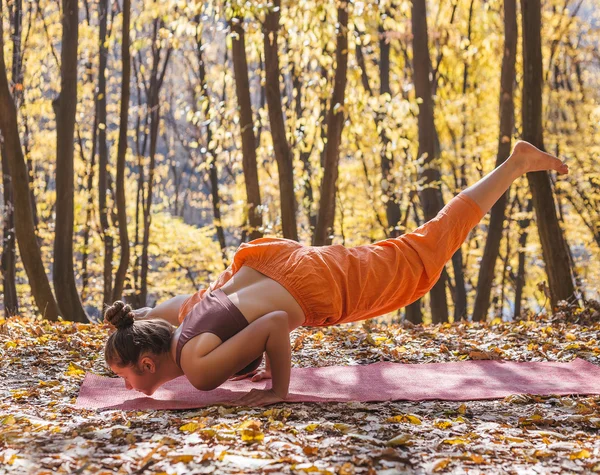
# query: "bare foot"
[[532, 159]]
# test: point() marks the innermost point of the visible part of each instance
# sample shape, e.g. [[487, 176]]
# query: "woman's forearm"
[[279, 357]]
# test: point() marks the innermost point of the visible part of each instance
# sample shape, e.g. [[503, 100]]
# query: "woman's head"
[[136, 349]]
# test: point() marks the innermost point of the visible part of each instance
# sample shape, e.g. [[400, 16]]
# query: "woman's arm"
[[268, 333], [167, 310]]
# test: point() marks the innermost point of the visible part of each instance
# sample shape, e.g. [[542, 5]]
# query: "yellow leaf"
[[311, 427], [442, 424], [8, 421], [570, 337], [182, 458], [582, 454], [10, 344], [74, 370], [251, 431], [189, 427], [455, 441]]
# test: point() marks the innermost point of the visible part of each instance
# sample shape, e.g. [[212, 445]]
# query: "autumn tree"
[[281, 146], [242, 89], [554, 246], [23, 215], [335, 124], [494, 235], [121, 154], [431, 196]]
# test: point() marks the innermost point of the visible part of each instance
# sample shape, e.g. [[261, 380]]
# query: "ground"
[[42, 365]]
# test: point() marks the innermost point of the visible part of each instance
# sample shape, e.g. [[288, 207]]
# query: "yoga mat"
[[382, 381]]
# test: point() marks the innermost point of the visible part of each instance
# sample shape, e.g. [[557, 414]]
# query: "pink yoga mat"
[[383, 381]]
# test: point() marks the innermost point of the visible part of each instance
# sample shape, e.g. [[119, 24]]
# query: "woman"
[[276, 285]]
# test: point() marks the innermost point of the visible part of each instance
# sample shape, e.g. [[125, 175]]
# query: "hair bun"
[[120, 315]]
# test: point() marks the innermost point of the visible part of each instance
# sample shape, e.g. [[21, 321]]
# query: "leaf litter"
[[42, 365]]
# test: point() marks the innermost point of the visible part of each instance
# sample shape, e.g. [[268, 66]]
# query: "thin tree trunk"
[[335, 123], [212, 154], [431, 196], [283, 154], [242, 89], [414, 313], [23, 215], [8, 261], [507, 111], [121, 153], [388, 183], [9, 287], [554, 246], [520, 281], [304, 154], [156, 80], [65, 106], [103, 156]]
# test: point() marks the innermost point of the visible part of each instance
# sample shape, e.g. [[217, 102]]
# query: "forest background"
[[213, 123]]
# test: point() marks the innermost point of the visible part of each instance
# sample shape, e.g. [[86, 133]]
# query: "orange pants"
[[337, 284]]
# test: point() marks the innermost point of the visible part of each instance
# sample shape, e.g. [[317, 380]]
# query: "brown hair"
[[133, 338]]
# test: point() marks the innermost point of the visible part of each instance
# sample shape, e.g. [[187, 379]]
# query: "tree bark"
[[8, 261], [212, 154], [554, 246], [283, 155], [242, 89], [23, 215], [388, 183], [65, 106], [335, 123], [156, 80], [9, 287], [507, 111], [520, 278], [121, 153], [431, 195], [103, 156]]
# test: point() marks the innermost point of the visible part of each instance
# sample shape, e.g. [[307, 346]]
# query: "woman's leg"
[[381, 277], [524, 158]]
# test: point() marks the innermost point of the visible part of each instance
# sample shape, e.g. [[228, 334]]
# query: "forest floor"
[[42, 365]]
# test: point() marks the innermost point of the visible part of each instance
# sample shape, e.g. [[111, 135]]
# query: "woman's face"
[[144, 383]]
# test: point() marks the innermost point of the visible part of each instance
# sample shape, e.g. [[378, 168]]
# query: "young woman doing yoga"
[[276, 285]]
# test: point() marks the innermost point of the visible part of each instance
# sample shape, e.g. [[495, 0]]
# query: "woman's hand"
[[257, 397], [256, 375]]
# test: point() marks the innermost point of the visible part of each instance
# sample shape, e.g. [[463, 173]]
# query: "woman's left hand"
[[257, 397]]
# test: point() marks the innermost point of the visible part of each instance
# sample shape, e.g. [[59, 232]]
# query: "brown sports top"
[[215, 313]]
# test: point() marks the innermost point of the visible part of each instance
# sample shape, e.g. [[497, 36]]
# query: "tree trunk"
[[65, 106], [507, 111], [242, 89], [283, 154], [212, 154], [388, 183], [23, 215], [554, 246], [103, 156], [9, 287], [413, 311], [121, 152], [520, 280], [431, 195], [335, 123], [156, 80]]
